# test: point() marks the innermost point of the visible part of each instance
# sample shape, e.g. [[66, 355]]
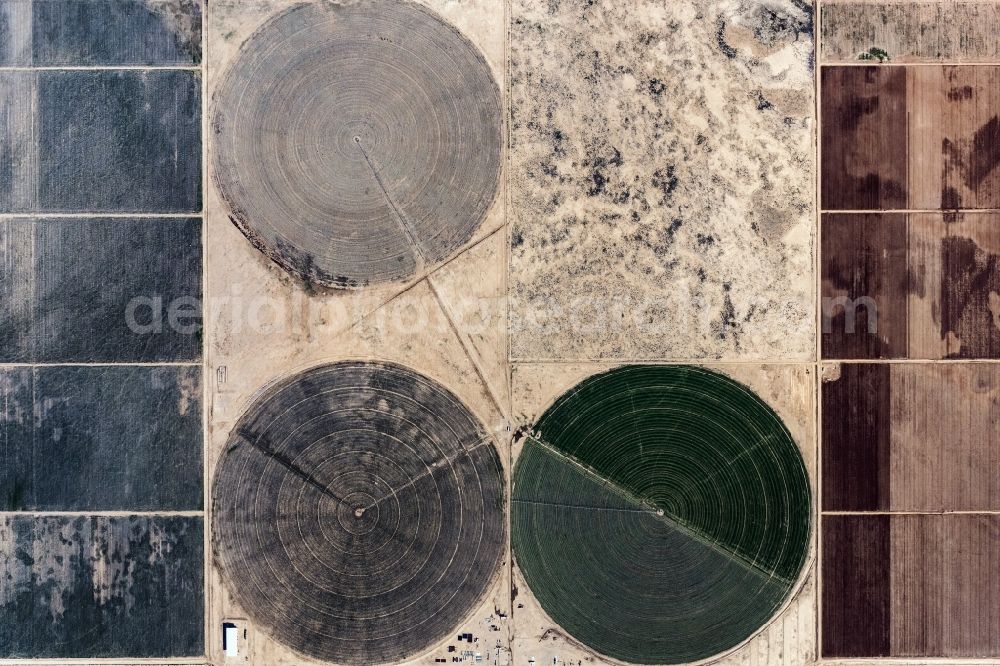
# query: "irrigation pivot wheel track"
[[358, 512], [357, 142], [660, 514]]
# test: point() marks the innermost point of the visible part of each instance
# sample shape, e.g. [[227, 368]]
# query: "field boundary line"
[[620, 361], [116, 513], [166, 364], [929, 512], [101, 68], [91, 215]]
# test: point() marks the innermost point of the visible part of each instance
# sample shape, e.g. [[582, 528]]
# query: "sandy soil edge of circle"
[[804, 574], [240, 219], [488, 587]]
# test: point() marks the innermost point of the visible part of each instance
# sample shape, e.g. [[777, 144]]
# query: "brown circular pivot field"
[[358, 512], [357, 143]]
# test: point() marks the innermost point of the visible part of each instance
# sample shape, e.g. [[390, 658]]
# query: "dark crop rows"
[[698, 445], [663, 514], [359, 512]]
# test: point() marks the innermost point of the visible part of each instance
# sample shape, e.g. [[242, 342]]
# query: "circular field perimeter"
[[357, 142], [660, 514], [358, 512]]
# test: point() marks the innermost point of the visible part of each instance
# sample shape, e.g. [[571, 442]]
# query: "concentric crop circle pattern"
[[358, 512], [660, 514], [355, 143]]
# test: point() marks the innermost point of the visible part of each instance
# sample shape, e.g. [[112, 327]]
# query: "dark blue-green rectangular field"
[[100, 290], [99, 586], [100, 32], [100, 141], [124, 438]]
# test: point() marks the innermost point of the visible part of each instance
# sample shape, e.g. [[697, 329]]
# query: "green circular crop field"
[[661, 514]]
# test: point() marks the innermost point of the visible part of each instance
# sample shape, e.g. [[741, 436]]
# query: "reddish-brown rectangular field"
[[911, 586], [855, 611], [911, 437], [918, 285], [864, 138], [866, 282], [913, 137], [856, 429], [954, 137]]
